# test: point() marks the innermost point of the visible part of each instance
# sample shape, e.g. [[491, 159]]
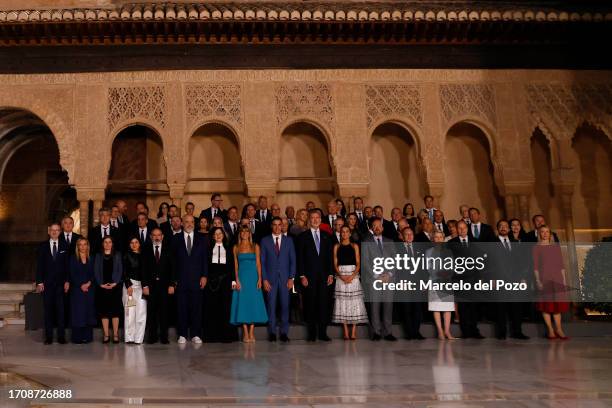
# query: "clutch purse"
[[131, 302]]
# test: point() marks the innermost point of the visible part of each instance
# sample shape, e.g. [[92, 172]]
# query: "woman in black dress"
[[218, 290], [108, 271], [82, 307]]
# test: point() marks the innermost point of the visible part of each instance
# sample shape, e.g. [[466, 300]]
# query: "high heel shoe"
[[553, 337], [106, 340], [115, 340]]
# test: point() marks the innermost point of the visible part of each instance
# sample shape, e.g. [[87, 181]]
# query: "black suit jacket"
[[231, 237], [50, 271], [73, 240], [486, 233], [158, 272], [316, 267], [95, 238], [135, 232], [444, 228], [260, 231], [268, 219], [207, 213], [389, 230], [506, 263]]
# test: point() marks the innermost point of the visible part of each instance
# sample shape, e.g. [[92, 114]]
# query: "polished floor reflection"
[[430, 373]]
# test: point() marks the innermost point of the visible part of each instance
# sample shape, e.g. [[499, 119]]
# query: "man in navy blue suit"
[[52, 282], [278, 271], [190, 251]]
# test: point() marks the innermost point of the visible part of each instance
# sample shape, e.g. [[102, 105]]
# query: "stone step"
[[12, 295], [25, 287], [9, 306], [13, 318]]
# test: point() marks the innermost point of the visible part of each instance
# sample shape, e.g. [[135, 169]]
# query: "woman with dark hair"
[[352, 221], [162, 213], [341, 207], [218, 291], [135, 304], [517, 231], [203, 226], [108, 270], [410, 215], [82, 307]]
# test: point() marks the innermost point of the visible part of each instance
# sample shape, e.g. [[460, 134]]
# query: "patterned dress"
[[349, 306]]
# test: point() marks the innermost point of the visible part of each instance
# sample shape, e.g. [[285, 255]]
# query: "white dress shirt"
[[219, 255], [51, 246], [185, 235]]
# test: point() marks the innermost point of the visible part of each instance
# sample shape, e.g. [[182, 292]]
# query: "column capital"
[[518, 188], [564, 179], [353, 189], [177, 190], [256, 188], [85, 193]]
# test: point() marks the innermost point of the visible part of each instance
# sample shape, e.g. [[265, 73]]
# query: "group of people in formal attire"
[[224, 270]]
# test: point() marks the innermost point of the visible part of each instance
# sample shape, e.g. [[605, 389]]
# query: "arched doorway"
[[214, 165], [593, 192], [305, 170], [394, 173], [469, 174], [138, 171], [34, 191]]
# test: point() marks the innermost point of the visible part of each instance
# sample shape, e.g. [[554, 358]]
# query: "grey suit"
[[380, 323]]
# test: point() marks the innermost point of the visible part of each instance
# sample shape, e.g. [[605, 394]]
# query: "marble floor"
[[429, 373]]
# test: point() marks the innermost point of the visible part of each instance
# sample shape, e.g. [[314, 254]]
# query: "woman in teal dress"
[[248, 305]]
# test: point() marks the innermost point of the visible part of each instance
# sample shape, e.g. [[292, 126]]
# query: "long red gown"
[[548, 261]]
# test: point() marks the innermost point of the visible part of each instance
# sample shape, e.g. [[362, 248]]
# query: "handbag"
[[131, 302]]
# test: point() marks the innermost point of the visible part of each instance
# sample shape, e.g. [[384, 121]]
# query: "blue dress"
[[248, 303], [82, 306]]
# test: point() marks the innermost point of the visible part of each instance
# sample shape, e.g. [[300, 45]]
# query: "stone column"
[[84, 216], [523, 212], [511, 205], [256, 188], [177, 192], [435, 190]]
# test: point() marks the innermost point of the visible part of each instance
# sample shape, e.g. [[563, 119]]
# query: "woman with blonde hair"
[[248, 305], [301, 223], [82, 307], [550, 282]]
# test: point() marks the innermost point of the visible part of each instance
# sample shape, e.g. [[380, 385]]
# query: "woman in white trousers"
[[135, 305]]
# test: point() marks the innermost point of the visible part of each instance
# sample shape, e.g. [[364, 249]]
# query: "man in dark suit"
[[332, 214], [258, 229], [338, 224], [381, 305], [314, 267], [481, 232], [231, 225], [427, 230], [439, 223], [391, 227], [538, 220], [96, 234], [158, 285], [215, 209], [190, 210], [505, 259], [264, 215], [142, 207], [142, 230], [52, 281], [428, 200], [123, 212], [190, 252], [413, 309], [278, 269], [463, 246], [123, 228], [361, 217], [67, 238]]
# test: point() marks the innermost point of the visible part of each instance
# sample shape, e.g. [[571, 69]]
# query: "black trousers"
[[508, 311], [468, 318], [53, 300], [189, 316], [412, 316], [157, 312], [317, 308]]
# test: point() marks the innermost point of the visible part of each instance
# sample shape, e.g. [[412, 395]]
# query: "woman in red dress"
[[550, 282]]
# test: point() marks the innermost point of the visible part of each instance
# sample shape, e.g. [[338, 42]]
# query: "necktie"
[[317, 242], [105, 232], [476, 231], [234, 229], [410, 252], [359, 216], [68, 239], [141, 235], [219, 255], [380, 247], [506, 244], [252, 226], [463, 242], [188, 244], [214, 211], [157, 253], [277, 247], [54, 250]]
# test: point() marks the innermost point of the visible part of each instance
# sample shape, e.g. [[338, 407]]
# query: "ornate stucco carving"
[[467, 100], [213, 101], [304, 100], [133, 102], [393, 101]]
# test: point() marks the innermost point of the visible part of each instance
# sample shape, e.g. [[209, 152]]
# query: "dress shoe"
[[324, 337], [376, 337], [48, 341], [501, 337], [182, 340], [284, 338], [61, 340], [196, 340], [520, 336], [390, 337], [151, 341], [271, 337], [478, 336], [164, 341], [419, 336]]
